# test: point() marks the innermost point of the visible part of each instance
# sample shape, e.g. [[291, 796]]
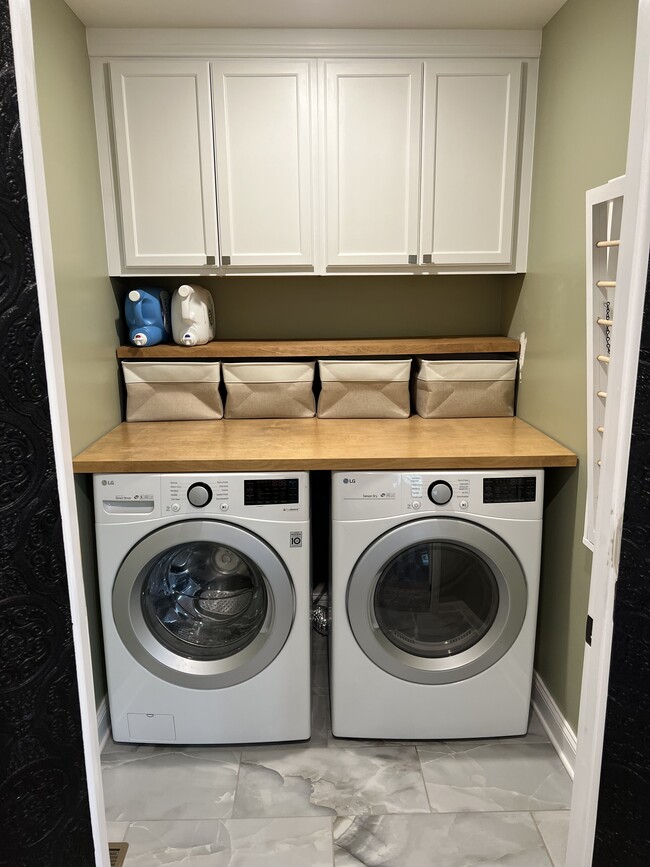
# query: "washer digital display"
[[508, 490], [270, 492]]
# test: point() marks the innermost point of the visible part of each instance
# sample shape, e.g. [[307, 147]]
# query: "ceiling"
[[436, 14]]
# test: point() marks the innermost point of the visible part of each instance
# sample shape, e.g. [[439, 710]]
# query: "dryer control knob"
[[440, 492], [199, 494]]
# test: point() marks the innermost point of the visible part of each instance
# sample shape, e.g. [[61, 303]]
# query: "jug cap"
[[139, 339], [134, 295]]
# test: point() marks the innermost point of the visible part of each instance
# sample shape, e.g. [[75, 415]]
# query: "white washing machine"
[[205, 594], [434, 591]]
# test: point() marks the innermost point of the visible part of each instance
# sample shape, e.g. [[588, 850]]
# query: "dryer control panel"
[[498, 493]]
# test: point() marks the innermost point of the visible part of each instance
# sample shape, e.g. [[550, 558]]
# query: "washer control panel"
[[145, 497], [183, 495], [274, 496]]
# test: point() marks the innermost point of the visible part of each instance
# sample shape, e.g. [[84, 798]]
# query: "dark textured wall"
[[623, 822], [44, 818]]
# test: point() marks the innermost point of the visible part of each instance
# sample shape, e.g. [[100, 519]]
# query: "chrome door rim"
[[201, 673], [510, 616]]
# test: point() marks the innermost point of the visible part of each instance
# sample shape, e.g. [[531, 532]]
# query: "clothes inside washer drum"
[[225, 603]]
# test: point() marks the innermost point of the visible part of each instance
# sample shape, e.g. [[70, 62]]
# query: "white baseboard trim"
[[103, 723], [559, 732]]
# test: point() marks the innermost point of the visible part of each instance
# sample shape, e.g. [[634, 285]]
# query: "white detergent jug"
[[192, 315]]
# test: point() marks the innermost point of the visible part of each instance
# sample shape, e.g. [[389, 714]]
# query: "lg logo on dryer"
[[347, 481], [108, 482]]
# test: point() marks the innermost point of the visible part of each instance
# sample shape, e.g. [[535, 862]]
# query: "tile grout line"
[[546, 849], [234, 795], [424, 782]]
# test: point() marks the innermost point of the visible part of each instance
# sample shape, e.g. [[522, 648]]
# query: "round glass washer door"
[[203, 604], [437, 600]]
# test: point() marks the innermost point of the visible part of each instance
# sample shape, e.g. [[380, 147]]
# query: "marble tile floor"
[[340, 802]]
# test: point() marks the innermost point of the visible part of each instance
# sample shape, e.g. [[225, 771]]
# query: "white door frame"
[[619, 411], [633, 262], [23, 46]]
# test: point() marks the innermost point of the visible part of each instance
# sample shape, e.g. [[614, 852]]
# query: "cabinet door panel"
[[471, 127], [164, 162], [373, 161], [263, 142]]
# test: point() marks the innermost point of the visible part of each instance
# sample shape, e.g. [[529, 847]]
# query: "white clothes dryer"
[[205, 593], [434, 591]]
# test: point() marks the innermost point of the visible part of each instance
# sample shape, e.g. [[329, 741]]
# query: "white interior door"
[[471, 130], [164, 162], [373, 113], [264, 159]]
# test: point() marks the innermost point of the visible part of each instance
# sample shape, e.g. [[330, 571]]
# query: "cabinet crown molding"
[[163, 42]]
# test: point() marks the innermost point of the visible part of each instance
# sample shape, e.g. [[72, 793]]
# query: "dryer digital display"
[[270, 492], [510, 490]]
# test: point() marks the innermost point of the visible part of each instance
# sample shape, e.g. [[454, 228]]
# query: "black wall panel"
[[44, 816], [623, 822]]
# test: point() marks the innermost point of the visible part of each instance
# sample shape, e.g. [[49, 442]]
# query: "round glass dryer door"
[[437, 600], [203, 604]]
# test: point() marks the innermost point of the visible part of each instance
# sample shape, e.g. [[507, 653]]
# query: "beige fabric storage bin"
[[275, 389], [172, 391], [465, 388], [364, 389]]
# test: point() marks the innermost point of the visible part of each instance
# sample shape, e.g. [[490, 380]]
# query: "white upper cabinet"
[[262, 127], [469, 164], [373, 112], [164, 163], [315, 152]]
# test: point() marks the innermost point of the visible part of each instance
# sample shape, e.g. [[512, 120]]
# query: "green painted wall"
[[88, 311], [585, 88], [338, 307]]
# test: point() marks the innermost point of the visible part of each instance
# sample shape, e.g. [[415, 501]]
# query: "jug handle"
[[185, 303]]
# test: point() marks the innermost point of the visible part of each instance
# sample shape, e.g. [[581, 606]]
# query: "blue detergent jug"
[[147, 316]]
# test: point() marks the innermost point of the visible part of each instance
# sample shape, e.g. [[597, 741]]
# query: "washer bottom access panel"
[[434, 602]]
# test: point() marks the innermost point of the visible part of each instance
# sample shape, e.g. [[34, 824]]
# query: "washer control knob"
[[176, 507], [440, 492], [224, 507], [416, 504], [199, 494]]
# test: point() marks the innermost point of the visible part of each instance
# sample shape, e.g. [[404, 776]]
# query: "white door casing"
[[631, 281]]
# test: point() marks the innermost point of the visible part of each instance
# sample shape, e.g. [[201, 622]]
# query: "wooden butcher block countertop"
[[322, 444]]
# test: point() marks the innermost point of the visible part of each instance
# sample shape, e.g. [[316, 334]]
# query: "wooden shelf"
[[322, 444], [325, 348]]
